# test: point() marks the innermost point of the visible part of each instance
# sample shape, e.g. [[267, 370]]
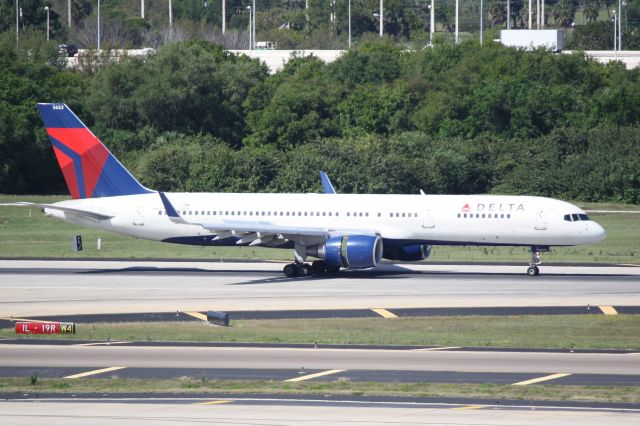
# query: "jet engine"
[[351, 251], [409, 253]]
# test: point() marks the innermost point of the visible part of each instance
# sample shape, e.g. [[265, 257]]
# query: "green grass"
[[190, 385], [533, 331], [28, 233]]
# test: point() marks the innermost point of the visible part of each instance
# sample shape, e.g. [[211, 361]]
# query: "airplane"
[[341, 231]]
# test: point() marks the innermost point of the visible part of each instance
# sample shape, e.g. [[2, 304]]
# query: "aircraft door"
[[541, 220], [138, 217], [428, 220]]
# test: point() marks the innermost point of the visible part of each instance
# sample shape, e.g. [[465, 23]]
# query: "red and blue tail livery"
[[89, 169]]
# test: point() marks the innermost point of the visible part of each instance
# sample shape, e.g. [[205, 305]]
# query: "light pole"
[[224, 16], [381, 18], [142, 9], [250, 29], [432, 21], [481, 21], [615, 32], [98, 49], [17, 22], [349, 24], [47, 9], [457, 19], [620, 25], [253, 29], [69, 13], [170, 19], [508, 14]]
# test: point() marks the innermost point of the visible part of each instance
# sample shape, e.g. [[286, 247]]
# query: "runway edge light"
[[45, 328]]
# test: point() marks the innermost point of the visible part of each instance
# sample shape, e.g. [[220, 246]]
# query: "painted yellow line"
[[384, 313], [198, 315], [216, 402], [446, 348], [608, 310], [314, 375], [541, 379], [102, 343], [93, 372], [471, 407]]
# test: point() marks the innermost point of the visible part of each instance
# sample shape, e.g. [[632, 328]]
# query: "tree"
[[563, 13], [590, 9]]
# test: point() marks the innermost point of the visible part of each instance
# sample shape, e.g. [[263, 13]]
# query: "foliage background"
[[381, 119]]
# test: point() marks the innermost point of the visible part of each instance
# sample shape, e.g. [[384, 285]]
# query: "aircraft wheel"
[[332, 269], [318, 267], [533, 271], [305, 269], [290, 270]]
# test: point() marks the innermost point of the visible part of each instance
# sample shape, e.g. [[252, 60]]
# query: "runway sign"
[[45, 328]]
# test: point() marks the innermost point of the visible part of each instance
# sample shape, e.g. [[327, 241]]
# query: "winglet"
[[327, 187], [173, 214]]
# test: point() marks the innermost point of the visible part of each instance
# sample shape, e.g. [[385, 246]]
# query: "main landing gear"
[[318, 267], [533, 269]]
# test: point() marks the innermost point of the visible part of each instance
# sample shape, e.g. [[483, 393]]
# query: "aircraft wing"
[[81, 212], [260, 232]]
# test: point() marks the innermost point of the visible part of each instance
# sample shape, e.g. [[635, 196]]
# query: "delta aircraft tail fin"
[[89, 169]]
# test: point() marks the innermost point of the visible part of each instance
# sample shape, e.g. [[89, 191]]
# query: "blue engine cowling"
[[409, 253], [352, 251]]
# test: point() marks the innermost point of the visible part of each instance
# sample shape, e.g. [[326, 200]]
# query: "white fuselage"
[[430, 219]]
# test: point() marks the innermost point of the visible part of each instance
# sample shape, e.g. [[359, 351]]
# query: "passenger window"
[[508, 216], [465, 215]]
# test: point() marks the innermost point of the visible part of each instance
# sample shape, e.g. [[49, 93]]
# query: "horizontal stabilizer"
[[86, 213]]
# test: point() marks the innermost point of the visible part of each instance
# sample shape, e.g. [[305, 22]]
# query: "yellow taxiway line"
[[314, 375], [216, 402], [384, 313], [198, 315], [608, 310], [93, 372], [541, 379]]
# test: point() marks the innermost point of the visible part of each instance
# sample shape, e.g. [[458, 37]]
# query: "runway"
[[299, 412], [101, 356], [40, 288], [116, 289]]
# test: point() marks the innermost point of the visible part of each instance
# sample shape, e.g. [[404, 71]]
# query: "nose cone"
[[596, 232]]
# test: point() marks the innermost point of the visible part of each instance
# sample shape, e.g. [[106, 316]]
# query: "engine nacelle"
[[351, 251], [409, 253]]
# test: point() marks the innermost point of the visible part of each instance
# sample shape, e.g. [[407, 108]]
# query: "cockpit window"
[[576, 217]]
